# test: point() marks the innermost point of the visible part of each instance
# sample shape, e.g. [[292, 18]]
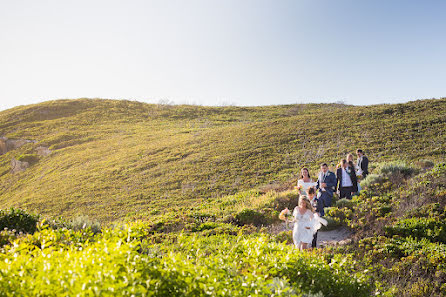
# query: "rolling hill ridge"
[[115, 160]]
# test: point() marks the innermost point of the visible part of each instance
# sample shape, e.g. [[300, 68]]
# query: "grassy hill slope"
[[115, 159]]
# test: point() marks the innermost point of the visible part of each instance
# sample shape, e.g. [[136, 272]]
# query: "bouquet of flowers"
[[285, 215], [299, 188]]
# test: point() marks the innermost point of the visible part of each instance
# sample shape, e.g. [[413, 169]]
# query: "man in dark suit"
[[346, 183], [363, 163], [326, 184]]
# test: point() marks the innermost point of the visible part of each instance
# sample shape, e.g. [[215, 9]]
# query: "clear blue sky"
[[245, 52]]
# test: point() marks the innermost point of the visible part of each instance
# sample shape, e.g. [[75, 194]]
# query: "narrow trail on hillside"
[[338, 236]]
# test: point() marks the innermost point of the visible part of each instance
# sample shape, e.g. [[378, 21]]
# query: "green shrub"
[[30, 158], [57, 223], [342, 216], [425, 164], [205, 226], [110, 263], [419, 260], [288, 200], [84, 222], [429, 228], [382, 210], [332, 223], [285, 236], [19, 220], [371, 180], [229, 219], [397, 168], [228, 229], [213, 228], [344, 202], [431, 210], [6, 237], [251, 217]]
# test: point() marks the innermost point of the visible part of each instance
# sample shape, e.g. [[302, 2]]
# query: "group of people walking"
[[316, 195]]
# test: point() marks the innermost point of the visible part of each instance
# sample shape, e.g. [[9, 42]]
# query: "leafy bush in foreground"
[[111, 263], [411, 267]]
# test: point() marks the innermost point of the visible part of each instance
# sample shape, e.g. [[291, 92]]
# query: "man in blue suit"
[[326, 184]]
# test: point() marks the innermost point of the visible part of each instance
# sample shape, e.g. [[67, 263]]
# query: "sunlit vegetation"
[[400, 230], [156, 200], [115, 160], [124, 261]]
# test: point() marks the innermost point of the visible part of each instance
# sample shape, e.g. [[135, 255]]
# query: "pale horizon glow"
[[245, 53]]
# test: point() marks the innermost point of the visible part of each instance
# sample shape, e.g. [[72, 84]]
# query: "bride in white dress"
[[307, 222]]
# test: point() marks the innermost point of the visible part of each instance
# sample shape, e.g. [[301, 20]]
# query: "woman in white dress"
[[307, 222], [305, 181]]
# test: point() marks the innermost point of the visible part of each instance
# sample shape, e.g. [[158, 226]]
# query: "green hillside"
[[115, 160], [200, 178]]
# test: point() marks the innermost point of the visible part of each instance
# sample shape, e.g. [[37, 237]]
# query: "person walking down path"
[[326, 184], [305, 181], [346, 183], [307, 222], [319, 210], [363, 164], [352, 164]]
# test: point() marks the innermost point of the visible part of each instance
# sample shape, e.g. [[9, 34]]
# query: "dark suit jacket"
[[319, 206], [330, 180], [364, 166], [352, 178]]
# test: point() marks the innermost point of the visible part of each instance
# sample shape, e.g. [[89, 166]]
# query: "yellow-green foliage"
[[114, 160], [121, 262], [401, 232]]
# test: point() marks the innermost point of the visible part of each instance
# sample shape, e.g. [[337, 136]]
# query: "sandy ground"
[[337, 236]]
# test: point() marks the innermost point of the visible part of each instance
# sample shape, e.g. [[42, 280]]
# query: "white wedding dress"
[[305, 185], [302, 222]]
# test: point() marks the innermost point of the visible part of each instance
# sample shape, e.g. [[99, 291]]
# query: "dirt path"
[[339, 236]]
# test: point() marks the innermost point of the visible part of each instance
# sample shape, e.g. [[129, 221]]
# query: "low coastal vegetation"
[[158, 200], [398, 248]]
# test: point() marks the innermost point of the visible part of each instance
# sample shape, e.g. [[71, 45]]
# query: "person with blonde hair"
[[350, 159], [306, 223]]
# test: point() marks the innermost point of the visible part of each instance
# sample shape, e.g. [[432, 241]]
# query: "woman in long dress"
[[307, 222], [305, 181]]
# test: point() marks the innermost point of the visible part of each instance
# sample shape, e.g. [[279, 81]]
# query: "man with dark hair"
[[318, 207], [326, 184], [363, 163]]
